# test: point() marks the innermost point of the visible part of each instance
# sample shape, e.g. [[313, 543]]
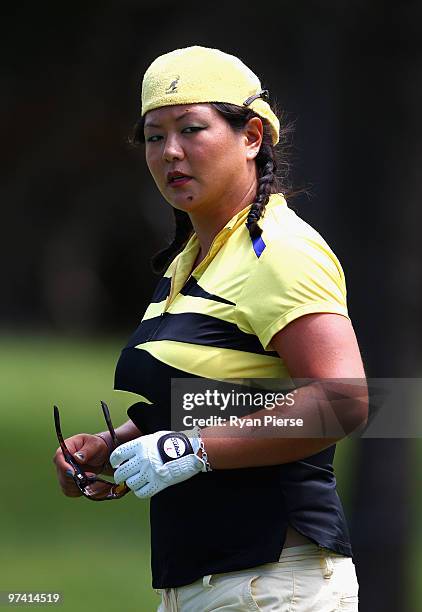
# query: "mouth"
[[176, 179]]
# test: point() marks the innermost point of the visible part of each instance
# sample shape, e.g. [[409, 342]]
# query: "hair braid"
[[266, 165]]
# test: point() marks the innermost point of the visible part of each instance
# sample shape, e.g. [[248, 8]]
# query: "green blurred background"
[[96, 555]]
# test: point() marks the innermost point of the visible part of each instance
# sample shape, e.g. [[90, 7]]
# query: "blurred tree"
[[380, 56]]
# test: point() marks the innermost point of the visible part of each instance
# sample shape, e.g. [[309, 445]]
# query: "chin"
[[186, 202]]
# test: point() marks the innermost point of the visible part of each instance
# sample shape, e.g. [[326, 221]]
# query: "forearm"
[[329, 413]]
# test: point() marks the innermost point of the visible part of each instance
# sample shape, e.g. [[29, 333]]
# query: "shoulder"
[[289, 241]]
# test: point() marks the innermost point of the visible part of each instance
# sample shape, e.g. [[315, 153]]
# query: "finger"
[[62, 467], [137, 481], [76, 442], [60, 461], [86, 449], [148, 490], [68, 485], [65, 472], [71, 491], [129, 468], [90, 449], [123, 452]]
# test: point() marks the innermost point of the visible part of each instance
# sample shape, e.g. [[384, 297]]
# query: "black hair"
[[273, 166]]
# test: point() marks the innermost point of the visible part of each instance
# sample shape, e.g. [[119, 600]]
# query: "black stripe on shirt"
[[162, 290], [195, 328], [138, 371], [193, 288]]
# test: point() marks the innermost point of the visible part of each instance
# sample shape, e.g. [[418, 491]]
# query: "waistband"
[[309, 551], [304, 549], [308, 556]]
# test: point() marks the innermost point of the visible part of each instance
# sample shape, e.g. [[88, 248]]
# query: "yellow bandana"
[[201, 74]]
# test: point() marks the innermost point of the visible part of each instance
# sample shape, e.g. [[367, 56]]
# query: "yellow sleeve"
[[294, 276]]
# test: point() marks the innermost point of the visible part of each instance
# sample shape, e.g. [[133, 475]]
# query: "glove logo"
[[174, 447]]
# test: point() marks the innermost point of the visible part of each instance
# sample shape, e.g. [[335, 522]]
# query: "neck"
[[208, 223]]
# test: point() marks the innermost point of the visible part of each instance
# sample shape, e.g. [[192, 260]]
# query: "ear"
[[253, 132]]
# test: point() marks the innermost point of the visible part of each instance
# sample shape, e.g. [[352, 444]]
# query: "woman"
[[239, 520]]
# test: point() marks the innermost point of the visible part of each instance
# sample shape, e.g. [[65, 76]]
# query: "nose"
[[172, 149]]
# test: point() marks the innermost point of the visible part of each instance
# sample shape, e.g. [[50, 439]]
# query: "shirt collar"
[[186, 258], [275, 199]]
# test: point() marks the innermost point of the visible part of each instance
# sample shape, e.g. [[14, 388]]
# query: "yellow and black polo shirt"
[[217, 322]]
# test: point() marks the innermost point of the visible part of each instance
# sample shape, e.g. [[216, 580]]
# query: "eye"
[[153, 138], [192, 129]]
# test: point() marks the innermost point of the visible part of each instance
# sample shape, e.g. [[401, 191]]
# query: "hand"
[[147, 464], [90, 451]]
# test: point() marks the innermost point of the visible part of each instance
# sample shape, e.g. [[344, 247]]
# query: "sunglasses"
[[92, 487]]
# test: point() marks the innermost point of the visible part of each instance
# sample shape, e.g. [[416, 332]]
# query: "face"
[[196, 159]]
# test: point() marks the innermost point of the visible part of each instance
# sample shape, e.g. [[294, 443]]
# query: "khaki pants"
[[305, 579]]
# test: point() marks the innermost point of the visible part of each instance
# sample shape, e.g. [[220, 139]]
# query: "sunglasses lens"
[[100, 490]]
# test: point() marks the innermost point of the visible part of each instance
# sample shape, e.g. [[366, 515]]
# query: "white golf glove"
[[153, 462]]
